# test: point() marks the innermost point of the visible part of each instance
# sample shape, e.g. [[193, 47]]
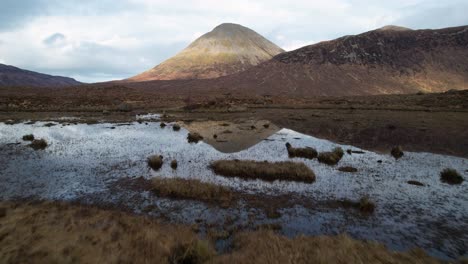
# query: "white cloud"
[[108, 39]]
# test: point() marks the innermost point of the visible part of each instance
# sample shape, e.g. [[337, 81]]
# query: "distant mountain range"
[[13, 76], [234, 59], [227, 49]]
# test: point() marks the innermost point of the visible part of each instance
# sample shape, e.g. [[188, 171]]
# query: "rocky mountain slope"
[[13, 76], [228, 49], [383, 61]]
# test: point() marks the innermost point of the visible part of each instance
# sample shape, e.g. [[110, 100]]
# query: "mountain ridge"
[[14, 76], [374, 62]]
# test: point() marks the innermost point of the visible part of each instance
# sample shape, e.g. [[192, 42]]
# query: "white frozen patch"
[[148, 117], [82, 160]]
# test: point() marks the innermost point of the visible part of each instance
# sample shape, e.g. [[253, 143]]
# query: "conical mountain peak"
[[227, 49]]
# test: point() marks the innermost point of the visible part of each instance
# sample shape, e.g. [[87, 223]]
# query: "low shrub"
[[451, 176], [162, 125], [176, 127], [268, 171], [397, 152], [194, 137], [307, 152], [38, 144]]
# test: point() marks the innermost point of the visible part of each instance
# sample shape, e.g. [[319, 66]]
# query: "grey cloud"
[[15, 13], [54, 39], [423, 16], [93, 62]]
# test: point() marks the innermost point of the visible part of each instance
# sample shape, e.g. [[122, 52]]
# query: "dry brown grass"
[[60, 233], [268, 247], [451, 176], [332, 157], [38, 144], [155, 162], [268, 171], [192, 189], [307, 153]]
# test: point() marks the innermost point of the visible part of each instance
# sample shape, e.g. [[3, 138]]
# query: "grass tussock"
[[365, 205], [162, 125], [451, 176], [331, 157], [417, 183], [194, 137], [155, 162], [38, 144], [174, 164], [397, 152], [176, 127], [29, 137], [272, 213], [191, 189], [347, 169], [268, 171], [307, 152]]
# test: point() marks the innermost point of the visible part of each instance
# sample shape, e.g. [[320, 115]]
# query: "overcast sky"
[[115, 39]]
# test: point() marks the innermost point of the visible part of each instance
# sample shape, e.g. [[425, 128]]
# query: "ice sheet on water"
[[148, 116], [84, 152], [83, 159]]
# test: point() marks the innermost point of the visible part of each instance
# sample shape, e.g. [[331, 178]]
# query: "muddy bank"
[[379, 130]]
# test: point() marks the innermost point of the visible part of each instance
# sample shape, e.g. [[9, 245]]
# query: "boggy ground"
[[419, 122], [49, 232]]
